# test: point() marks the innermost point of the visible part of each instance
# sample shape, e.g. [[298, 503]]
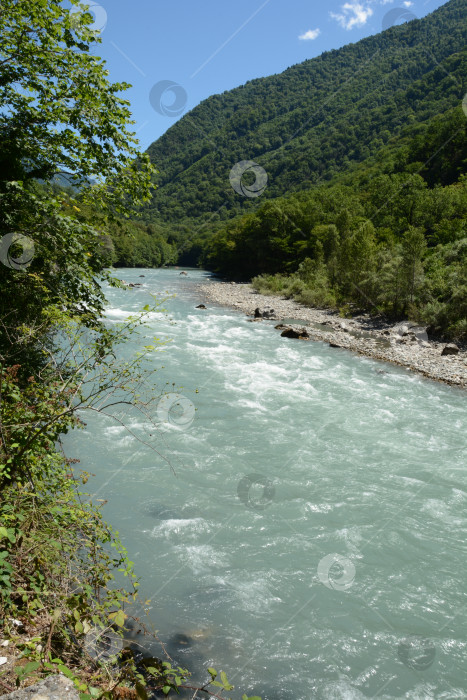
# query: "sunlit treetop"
[[58, 109]]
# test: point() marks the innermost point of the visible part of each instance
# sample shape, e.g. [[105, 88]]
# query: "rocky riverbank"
[[403, 344], [52, 688]]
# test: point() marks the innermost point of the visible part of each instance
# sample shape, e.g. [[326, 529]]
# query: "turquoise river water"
[[302, 524]]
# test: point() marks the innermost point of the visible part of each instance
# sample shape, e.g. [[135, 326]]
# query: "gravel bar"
[[403, 344]]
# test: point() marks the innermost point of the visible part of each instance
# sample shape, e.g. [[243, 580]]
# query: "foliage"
[[59, 110], [61, 565], [382, 240], [315, 120], [135, 244]]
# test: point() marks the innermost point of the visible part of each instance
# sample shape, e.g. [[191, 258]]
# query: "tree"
[[56, 355], [413, 250], [59, 111]]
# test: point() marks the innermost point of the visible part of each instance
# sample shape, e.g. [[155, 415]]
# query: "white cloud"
[[407, 3], [353, 14], [310, 35]]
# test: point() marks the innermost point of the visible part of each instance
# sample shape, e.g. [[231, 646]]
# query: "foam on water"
[[297, 454], [190, 527]]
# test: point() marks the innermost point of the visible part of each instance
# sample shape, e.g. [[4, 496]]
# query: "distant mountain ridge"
[[314, 120]]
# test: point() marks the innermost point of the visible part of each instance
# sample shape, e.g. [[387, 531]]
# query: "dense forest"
[[365, 203], [316, 119], [391, 238]]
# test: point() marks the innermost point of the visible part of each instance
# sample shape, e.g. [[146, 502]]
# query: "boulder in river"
[[295, 333], [450, 349], [264, 313], [201, 306]]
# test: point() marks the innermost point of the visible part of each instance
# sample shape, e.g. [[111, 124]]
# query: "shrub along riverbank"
[[60, 562]]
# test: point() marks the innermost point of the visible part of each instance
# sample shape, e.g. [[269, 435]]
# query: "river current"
[[302, 522]]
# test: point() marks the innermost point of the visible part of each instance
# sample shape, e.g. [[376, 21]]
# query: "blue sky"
[[176, 53]]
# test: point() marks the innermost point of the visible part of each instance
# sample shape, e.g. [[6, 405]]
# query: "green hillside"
[[365, 151], [389, 238], [311, 122]]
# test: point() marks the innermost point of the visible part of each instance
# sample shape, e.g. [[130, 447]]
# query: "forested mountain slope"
[[316, 119]]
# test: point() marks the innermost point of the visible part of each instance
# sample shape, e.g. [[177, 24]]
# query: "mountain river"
[[299, 519]]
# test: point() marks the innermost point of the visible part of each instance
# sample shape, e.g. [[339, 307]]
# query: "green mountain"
[[315, 120], [360, 199]]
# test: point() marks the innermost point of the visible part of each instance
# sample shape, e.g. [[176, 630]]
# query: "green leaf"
[[120, 618], [86, 626], [28, 669], [141, 691], [66, 671], [227, 685], [213, 672]]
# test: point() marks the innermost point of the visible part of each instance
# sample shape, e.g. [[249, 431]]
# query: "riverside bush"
[[61, 564]]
